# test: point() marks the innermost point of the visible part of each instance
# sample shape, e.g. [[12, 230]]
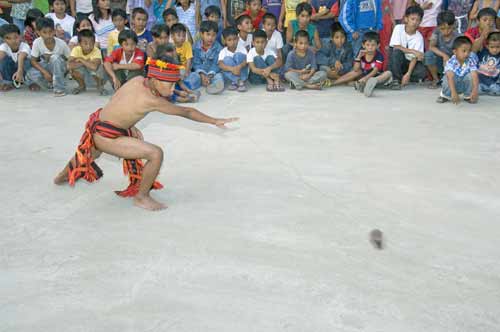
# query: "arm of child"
[[197, 14], [371, 74], [74, 63], [35, 63], [188, 67], [254, 69], [474, 11], [282, 15], [19, 74], [289, 37], [406, 77], [407, 50], [317, 41], [477, 45], [433, 47], [224, 13], [450, 76], [126, 66], [108, 67], [72, 6], [92, 64], [475, 87]]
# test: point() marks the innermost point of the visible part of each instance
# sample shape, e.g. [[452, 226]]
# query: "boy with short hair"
[[86, 60], [139, 21], [14, 57], [274, 38], [245, 28], [407, 50], [119, 18], [368, 67], [300, 67], [62, 21], [441, 43], [255, 11], [264, 64], [233, 61], [170, 17], [161, 35], [486, 18], [336, 57], [489, 66], [206, 51], [213, 13], [48, 59], [460, 74], [126, 62], [183, 47]]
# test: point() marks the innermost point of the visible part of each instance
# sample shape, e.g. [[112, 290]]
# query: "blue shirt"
[[293, 61], [488, 67], [469, 65], [206, 60]]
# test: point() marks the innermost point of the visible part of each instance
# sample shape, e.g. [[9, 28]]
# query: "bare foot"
[[61, 178], [313, 86], [148, 203], [6, 87]]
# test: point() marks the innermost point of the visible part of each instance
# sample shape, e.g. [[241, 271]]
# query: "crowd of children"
[[223, 45]]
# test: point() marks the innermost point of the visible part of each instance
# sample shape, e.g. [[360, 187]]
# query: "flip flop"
[[270, 88], [78, 90]]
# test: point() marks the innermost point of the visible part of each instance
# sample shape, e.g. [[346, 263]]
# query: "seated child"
[[233, 61], [300, 67], [30, 25], [81, 23], [170, 18], [489, 66], [460, 74], [161, 35], [478, 35], [120, 20], [126, 62], [407, 50], [14, 57], [245, 29], [274, 38], [183, 47], [441, 43], [206, 51], [303, 22], [264, 64], [48, 59], [63, 22], [213, 13], [255, 11], [336, 57], [186, 12], [86, 60], [368, 67], [139, 20]]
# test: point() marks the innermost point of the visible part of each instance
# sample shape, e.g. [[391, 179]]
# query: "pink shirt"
[[430, 15], [398, 8]]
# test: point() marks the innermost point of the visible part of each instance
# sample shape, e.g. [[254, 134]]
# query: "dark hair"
[[51, 2], [249, 1], [446, 17], [207, 26], [97, 12], [7, 29], [493, 36], [461, 40], [371, 36], [178, 3], [259, 34], [414, 10], [170, 11], [32, 15], [119, 12], [178, 27], [210, 10], [158, 29], [301, 34], [168, 59], [139, 10], [162, 49], [488, 11], [229, 31], [241, 18], [85, 34], [336, 27], [269, 16], [303, 7], [44, 22], [126, 34], [78, 21]]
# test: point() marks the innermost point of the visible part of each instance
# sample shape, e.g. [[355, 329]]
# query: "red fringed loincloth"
[[85, 167]]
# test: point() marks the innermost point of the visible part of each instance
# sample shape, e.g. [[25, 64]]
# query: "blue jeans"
[[236, 60], [8, 68], [432, 59], [492, 89], [261, 63], [463, 85], [194, 79], [56, 66]]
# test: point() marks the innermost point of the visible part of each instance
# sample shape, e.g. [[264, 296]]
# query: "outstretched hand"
[[221, 122]]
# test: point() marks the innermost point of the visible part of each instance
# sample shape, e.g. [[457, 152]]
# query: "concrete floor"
[[268, 222]]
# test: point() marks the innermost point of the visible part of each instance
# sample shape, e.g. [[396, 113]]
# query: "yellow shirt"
[[290, 6], [185, 52], [77, 52], [113, 41]]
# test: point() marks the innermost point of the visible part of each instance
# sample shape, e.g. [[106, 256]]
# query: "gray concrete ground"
[[268, 222]]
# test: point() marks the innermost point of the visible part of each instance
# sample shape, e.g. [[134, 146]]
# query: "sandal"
[[78, 90], [327, 83], [395, 85], [61, 93], [279, 88], [270, 88]]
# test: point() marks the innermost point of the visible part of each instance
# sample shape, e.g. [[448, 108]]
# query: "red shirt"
[[473, 33], [117, 56], [256, 21]]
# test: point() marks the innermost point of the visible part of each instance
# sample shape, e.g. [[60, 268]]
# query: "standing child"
[[339, 56], [148, 6], [161, 35], [255, 11], [300, 67], [139, 21], [407, 50], [303, 22], [288, 13], [264, 64], [398, 10], [233, 61], [388, 23], [478, 35], [81, 23], [460, 9], [102, 23], [480, 4], [206, 51], [86, 60], [186, 11], [489, 66], [14, 57], [429, 20], [48, 59], [245, 29], [30, 25], [441, 46], [201, 9], [183, 48], [461, 74], [119, 18], [274, 39], [272, 7], [19, 11], [61, 19], [368, 67], [323, 17]]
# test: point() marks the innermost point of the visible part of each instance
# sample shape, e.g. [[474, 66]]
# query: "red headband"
[[163, 71]]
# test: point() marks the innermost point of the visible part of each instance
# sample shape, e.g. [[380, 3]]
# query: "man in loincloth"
[[112, 130]]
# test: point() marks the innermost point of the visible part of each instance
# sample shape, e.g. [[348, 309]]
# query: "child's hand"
[[116, 83], [266, 72], [205, 81], [221, 122], [355, 35], [18, 77], [236, 71], [280, 26], [446, 58], [47, 76], [455, 98], [338, 66], [406, 79], [474, 97]]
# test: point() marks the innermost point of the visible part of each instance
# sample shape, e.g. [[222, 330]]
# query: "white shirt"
[[23, 48], [225, 52], [430, 15], [401, 38], [102, 30], [253, 53], [246, 44], [40, 49], [84, 6], [275, 43], [66, 23]]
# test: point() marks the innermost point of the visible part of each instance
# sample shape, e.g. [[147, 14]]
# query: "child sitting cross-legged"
[[300, 67], [233, 61], [461, 76], [264, 64], [368, 67], [86, 60], [489, 66], [126, 62], [336, 57], [14, 57]]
